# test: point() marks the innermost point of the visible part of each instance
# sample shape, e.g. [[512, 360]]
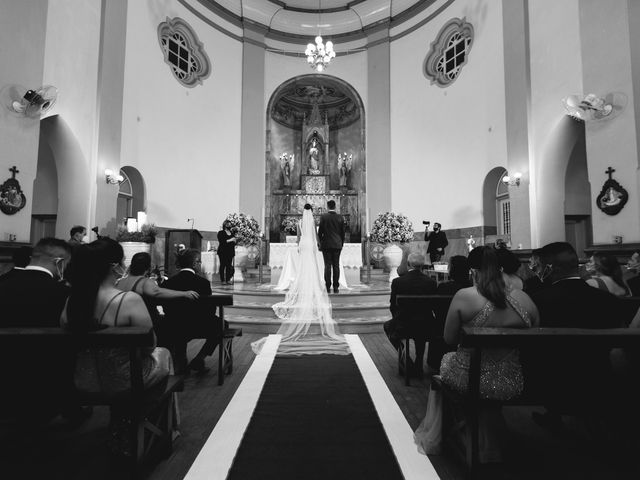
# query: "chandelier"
[[319, 55]]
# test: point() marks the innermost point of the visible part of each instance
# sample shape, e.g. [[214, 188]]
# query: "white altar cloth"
[[285, 256]]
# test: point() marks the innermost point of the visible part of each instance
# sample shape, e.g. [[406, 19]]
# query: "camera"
[[426, 222]]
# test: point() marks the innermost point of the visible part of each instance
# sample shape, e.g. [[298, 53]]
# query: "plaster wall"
[[21, 52], [556, 71], [604, 33], [184, 141], [444, 141], [71, 64]]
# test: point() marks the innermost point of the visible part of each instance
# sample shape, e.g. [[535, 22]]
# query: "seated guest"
[[510, 265], [538, 277], [458, 279], [458, 276], [35, 296], [20, 259], [408, 322], [490, 302], [633, 266], [188, 320], [96, 302], [606, 274], [570, 302], [138, 281]]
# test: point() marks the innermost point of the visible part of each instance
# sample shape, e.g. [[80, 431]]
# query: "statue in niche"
[[314, 157], [344, 167], [286, 163]]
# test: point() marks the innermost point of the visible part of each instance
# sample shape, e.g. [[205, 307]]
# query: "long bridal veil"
[[307, 326]]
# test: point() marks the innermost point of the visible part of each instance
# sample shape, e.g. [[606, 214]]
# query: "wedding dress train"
[[307, 326]]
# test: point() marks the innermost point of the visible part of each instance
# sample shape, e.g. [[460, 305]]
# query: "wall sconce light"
[[512, 181], [111, 178]]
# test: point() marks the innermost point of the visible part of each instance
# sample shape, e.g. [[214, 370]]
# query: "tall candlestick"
[[262, 219], [368, 212]]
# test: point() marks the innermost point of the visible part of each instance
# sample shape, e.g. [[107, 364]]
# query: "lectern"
[[188, 237]]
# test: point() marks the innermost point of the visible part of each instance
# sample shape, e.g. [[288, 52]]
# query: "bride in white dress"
[[307, 326]]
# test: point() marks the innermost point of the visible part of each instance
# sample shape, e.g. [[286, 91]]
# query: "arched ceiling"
[[306, 17]]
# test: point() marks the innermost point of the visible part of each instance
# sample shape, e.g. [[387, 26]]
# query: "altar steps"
[[360, 310]]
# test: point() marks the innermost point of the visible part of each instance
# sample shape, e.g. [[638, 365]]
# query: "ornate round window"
[[183, 52], [449, 52]]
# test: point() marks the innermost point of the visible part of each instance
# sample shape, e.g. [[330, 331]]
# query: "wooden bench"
[[436, 304], [534, 339], [151, 411]]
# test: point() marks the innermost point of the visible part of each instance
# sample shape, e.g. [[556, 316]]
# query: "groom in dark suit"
[[331, 236]]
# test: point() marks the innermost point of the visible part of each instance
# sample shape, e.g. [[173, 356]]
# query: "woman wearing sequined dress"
[[488, 303]]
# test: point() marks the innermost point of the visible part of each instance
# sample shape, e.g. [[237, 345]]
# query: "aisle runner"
[[314, 419]]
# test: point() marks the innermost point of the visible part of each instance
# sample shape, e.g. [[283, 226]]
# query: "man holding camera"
[[437, 241]]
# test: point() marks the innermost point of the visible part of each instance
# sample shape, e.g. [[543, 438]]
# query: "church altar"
[[282, 258]]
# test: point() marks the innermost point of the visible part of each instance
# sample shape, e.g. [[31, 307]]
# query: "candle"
[[368, 214], [208, 246], [132, 225], [142, 219], [262, 218]]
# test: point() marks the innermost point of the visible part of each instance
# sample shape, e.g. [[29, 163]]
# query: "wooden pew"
[[437, 304], [139, 404], [226, 335], [534, 339]]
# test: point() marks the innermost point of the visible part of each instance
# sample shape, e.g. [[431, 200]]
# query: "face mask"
[[59, 263], [544, 273]]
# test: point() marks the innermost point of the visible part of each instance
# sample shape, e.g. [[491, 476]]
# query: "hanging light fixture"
[[319, 55]]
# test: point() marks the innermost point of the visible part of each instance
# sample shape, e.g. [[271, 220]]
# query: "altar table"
[[283, 259]]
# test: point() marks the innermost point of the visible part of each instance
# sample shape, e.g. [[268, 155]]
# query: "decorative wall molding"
[[183, 52]]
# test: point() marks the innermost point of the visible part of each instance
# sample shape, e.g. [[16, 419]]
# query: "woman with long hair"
[[490, 302], [94, 303], [607, 274]]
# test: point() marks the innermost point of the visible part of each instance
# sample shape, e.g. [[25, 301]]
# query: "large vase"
[[242, 254], [131, 248], [392, 255]]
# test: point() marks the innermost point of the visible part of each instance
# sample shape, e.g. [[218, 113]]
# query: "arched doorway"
[[44, 212], [315, 151], [131, 195], [496, 205]]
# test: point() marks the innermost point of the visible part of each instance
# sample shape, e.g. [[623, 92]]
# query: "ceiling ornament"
[[319, 55]]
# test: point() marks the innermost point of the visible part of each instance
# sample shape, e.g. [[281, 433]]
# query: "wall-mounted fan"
[[591, 107], [27, 102]]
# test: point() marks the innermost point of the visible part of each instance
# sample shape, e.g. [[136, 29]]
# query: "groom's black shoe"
[[335, 290]]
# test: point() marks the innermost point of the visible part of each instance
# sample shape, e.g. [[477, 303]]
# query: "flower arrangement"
[[244, 227], [289, 225], [391, 227], [147, 234]]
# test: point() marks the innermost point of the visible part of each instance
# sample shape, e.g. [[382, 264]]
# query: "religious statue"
[[314, 163], [286, 162], [344, 167]]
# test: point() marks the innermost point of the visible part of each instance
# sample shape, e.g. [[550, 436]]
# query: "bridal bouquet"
[[244, 227], [391, 227]]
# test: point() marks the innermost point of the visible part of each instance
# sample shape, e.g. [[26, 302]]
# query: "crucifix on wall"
[[613, 196], [12, 200]]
